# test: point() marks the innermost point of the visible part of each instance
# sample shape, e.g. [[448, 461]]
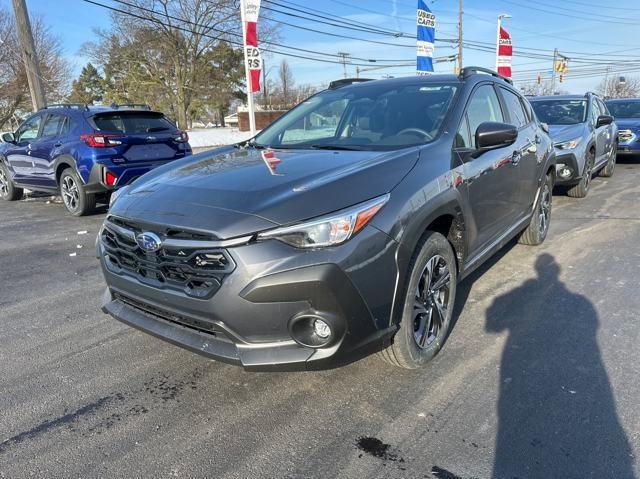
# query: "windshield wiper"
[[338, 147]]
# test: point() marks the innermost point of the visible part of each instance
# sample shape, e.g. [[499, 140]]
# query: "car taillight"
[[98, 140], [109, 178], [182, 137]]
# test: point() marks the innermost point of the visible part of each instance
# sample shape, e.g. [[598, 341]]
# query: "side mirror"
[[8, 137], [604, 120], [491, 135], [545, 127]]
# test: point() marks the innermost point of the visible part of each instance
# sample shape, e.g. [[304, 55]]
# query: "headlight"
[[116, 194], [567, 145], [328, 230]]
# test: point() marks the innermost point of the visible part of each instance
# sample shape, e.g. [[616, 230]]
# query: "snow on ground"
[[207, 137]]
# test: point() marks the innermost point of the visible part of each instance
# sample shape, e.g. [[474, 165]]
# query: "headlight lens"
[[568, 145], [329, 230], [115, 195]]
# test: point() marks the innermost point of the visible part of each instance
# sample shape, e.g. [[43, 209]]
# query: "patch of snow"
[[202, 138]]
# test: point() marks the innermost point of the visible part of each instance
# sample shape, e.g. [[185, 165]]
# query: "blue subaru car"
[[627, 116], [86, 152]]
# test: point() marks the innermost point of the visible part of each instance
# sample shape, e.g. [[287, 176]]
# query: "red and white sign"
[[252, 53], [505, 53]]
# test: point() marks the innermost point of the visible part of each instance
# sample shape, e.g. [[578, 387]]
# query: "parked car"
[[584, 137], [626, 112], [86, 152], [310, 246]]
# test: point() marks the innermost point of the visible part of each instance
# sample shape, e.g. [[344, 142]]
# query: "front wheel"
[[8, 191], [607, 171], [581, 189], [77, 201], [428, 304], [538, 228]]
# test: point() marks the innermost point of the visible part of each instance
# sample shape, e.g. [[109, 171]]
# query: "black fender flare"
[[66, 160]]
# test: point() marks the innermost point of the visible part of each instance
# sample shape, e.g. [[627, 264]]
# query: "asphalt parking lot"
[[540, 377]]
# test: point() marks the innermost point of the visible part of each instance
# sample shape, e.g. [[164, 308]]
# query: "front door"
[[19, 154], [491, 179]]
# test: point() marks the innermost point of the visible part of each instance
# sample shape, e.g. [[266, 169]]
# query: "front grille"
[[149, 310], [626, 136], [195, 269]]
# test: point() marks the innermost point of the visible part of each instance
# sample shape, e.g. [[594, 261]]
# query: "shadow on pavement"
[[556, 410]]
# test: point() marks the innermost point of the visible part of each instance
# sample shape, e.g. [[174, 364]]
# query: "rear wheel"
[[581, 189], [428, 304], [538, 228], [77, 201], [8, 191], [610, 167]]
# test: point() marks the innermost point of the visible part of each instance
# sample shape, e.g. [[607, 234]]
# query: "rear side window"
[[514, 107], [53, 126], [132, 122]]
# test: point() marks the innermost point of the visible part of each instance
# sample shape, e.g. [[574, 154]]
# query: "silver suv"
[[584, 137]]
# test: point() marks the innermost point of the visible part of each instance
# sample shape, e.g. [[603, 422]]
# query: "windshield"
[[560, 112], [624, 109], [378, 116]]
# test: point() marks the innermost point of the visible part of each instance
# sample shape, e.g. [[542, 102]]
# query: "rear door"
[[492, 182], [144, 136], [19, 154], [44, 149], [526, 146]]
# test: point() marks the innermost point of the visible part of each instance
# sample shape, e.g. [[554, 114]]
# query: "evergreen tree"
[[89, 87]]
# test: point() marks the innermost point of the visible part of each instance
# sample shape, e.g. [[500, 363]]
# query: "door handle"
[[57, 145]]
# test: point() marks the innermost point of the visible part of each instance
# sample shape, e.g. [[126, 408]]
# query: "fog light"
[[565, 172], [321, 328]]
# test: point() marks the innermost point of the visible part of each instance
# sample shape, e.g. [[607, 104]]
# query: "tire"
[[538, 228], [426, 318], [581, 189], [8, 191], [77, 201], [610, 167]]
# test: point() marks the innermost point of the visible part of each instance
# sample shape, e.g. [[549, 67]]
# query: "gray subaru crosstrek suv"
[[340, 230], [584, 136]]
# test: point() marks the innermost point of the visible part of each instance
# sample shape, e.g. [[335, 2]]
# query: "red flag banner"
[[253, 57], [505, 53]]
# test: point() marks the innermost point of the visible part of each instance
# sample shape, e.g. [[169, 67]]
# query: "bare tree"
[[54, 69], [541, 89], [619, 87], [286, 81]]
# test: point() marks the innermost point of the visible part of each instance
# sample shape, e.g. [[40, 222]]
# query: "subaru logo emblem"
[[149, 242]]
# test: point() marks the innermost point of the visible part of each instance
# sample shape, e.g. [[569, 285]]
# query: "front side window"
[[376, 116], [483, 106], [624, 109], [560, 112], [29, 129]]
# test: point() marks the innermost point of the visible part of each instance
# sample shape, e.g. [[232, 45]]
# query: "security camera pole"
[[29, 55]]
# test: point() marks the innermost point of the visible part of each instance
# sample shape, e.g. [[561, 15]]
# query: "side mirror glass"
[[8, 137], [491, 135], [604, 120]]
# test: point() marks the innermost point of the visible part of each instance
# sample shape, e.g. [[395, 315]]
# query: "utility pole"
[[460, 64], [29, 55], [344, 59], [553, 71]]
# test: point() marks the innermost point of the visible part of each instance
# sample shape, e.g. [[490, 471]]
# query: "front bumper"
[[248, 320]]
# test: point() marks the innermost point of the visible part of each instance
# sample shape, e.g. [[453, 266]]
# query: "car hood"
[[628, 123], [559, 133], [236, 191]]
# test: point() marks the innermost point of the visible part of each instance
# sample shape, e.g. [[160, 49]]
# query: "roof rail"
[[587, 93], [79, 106], [466, 72], [334, 85], [140, 106]]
